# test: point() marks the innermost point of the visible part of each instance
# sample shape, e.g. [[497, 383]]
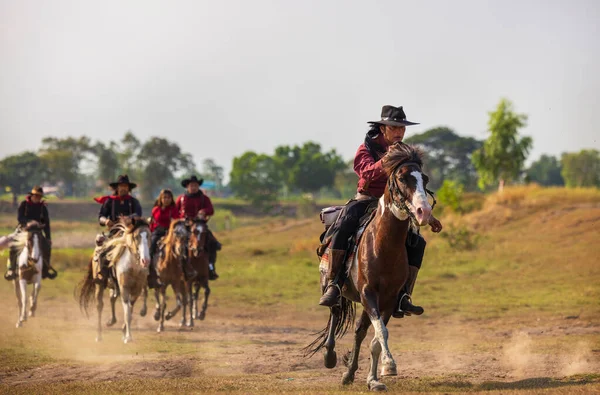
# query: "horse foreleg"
[[362, 326], [161, 295], [195, 310], [157, 313], [23, 289], [372, 381], [144, 308], [205, 303], [113, 300], [17, 286], [330, 354], [99, 294], [190, 304], [34, 296], [178, 301], [370, 302], [127, 313]]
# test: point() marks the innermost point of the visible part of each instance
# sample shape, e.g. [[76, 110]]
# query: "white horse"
[[28, 246], [129, 257]]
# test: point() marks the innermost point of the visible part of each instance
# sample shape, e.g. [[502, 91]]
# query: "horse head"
[[406, 193], [138, 231], [177, 237], [198, 230], [30, 239]]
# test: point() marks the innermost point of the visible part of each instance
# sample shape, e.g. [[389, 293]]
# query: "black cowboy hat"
[[123, 179], [185, 182], [37, 190], [393, 116]]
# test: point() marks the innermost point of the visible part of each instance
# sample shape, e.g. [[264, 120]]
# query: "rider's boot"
[[100, 274], [153, 278], [332, 294], [11, 273], [405, 306], [47, 269], [212, 271]]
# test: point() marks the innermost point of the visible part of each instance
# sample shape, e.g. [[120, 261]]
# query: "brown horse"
[[199, 261], [379, 268], [170, 272]]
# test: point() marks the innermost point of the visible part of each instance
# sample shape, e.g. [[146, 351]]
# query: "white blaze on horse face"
[[420, 205], [144, 250], [36, 253]]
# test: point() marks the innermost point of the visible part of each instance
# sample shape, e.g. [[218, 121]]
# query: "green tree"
[[160, 159], [20, 173], [214, 172], [448, 156], [451, 195], [108, 167], [503, 155], [255, 177], [128, 155], [581, 169], [63, 158], [545, 171]]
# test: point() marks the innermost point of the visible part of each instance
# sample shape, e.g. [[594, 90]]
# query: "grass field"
[[517, 313]]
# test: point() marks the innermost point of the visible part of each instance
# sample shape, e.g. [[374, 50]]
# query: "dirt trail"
[[257, 342]]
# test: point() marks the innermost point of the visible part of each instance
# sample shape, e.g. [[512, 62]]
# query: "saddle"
[[327, 235]]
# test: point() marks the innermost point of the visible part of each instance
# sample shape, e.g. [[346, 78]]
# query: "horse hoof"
[[347, 378], [377, 386], [127, 340], [98, 339], [168, 316], [389, 370], [19, 324], [143, 312], [330, 359], [160, 329], [32, 313], [156, 315], [202, 316], [111, 322]]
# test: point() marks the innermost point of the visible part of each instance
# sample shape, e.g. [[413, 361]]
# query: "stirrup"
[[339, 297]]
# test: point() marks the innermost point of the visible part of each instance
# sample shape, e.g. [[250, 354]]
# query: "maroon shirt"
[[372, 179], [189, 206], [163, 216]]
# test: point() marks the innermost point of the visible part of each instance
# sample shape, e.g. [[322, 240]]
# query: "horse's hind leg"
[[330, 354], [34, 297], [99, 306], [144, 308], [157, 313], [114, 294], [178, 301], [205, 303], [190, 304], [20, 306], [362, 326]]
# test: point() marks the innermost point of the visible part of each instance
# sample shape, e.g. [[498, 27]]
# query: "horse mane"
[[116, 246], [401, 153], [20, 239], [170, 237]]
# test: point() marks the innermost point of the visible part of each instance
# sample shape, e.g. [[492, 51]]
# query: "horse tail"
[[85, 289], [347, 312]]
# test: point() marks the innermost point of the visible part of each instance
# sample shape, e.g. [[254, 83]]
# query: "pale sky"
[[223, 77]]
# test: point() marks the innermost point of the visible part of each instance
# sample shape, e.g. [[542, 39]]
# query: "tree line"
[[82, 166]]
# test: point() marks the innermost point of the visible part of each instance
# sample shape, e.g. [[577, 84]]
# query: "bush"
[[451, 195], [461, 238]]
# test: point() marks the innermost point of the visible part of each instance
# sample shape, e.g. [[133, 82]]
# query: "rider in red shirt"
[[372, 181], [195, 204], [163, 212]]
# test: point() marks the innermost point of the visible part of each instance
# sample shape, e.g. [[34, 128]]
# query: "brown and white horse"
[[379, 268], [29, 246], [129, 257], [170, 272]]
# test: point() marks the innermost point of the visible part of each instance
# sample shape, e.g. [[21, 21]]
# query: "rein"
[[398, 200]]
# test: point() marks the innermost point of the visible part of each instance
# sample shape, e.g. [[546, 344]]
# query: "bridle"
[[398, 200]]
